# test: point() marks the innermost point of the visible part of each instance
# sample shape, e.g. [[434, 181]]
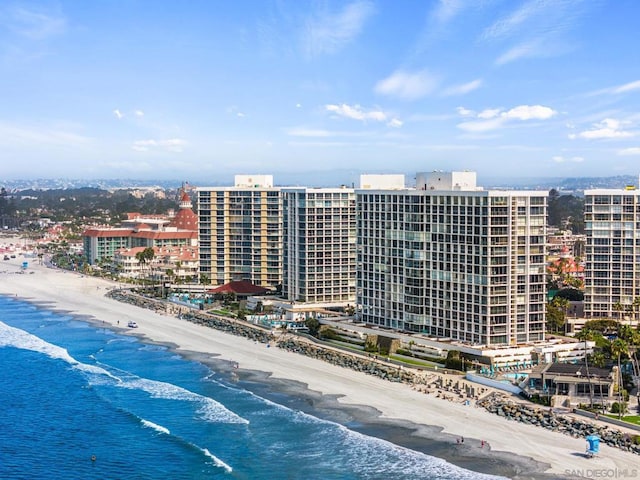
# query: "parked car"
[[132, 324]]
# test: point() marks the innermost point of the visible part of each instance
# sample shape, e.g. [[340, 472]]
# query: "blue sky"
[[203, 89]]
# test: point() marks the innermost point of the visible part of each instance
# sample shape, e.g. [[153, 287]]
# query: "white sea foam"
[[155, 426], [15, 337], [211, 410], [216, 460]]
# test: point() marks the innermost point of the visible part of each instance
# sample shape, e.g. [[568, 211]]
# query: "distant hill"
[[326, 179]]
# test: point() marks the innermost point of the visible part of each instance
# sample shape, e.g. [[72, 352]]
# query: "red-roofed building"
[[181, 262], [185, 219], [142, 231], [242, 288]]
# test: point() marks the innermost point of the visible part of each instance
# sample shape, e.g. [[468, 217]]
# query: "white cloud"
[[481, 126], [529, 112], [356, 112], [321, 133], [527, 49], [608, 128], [489, 113], [395, 123], [406, 85], [169, 145], [561, 159], [629, 151], [118, 114], [35, 25], [462, 89], [139, 113], [465, 112], [328, 33], [234, 110], [627, 87], [536, 28], [493, 118], [447, 10]]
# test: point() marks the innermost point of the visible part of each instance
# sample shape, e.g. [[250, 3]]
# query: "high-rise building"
[[319, 245], [612, 252], [240, 232], [452, 260]]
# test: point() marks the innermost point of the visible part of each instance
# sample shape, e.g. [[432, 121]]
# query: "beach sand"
[[393, 411]]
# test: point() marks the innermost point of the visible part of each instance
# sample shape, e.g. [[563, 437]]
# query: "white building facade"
[[451, 260], [319, 245], [612, 252], [240, 231]]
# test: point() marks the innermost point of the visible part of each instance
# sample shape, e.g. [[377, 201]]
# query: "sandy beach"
[[532, 452]]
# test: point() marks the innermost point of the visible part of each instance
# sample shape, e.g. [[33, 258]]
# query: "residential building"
[[175, 264], [319, 245], [612, 267], [451, 260], [572, 384], [240, 231]]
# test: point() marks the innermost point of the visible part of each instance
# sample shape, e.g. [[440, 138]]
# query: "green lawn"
[[635, 419]]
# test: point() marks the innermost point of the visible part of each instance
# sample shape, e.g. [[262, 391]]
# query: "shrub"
[[618, 407]]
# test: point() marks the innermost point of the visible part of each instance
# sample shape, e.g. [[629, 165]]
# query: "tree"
[[454, 360], [618, 307], [618, 348], [313, 325], [555, 317], [145, 257], [636, 306], [558, 310]]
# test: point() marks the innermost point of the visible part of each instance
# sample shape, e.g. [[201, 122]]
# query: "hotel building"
[[138, 230], [612, 260], [240, 231], [451, 260]]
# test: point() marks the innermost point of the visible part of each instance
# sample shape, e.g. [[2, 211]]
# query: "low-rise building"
[[571, 384]]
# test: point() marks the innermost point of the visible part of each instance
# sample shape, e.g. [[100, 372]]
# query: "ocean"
[[84, 402]]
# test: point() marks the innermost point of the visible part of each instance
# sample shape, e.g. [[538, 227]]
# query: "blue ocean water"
[[83, 402]]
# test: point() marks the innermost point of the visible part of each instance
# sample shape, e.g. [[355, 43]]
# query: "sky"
[[204, 89]]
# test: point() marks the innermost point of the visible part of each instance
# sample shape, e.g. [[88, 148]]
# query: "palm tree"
[[618, 307], [636, 306], [145, 257], [562, 304], [618, 348]]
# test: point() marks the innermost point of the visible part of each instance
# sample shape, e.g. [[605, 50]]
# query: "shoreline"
[[361, 402]]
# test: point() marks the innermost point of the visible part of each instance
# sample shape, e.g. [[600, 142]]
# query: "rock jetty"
[[500, 405]]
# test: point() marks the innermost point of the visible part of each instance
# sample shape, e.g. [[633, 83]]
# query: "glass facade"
[[319, 256], [612, 253], [469, 266]]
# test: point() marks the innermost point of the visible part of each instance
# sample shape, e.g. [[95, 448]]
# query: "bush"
[[618, 407], [329, 334]]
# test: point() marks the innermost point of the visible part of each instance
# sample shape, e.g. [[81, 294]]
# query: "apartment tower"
[[451, 260], [240, 231], [612, 252], [319, 245]]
